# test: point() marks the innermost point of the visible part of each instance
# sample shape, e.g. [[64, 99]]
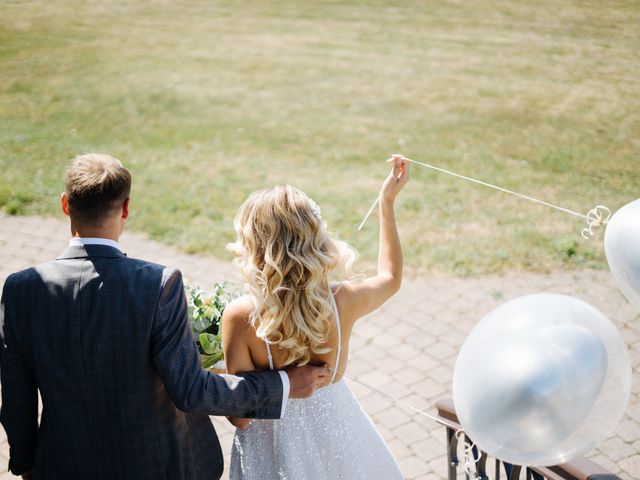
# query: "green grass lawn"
[[207, 101]]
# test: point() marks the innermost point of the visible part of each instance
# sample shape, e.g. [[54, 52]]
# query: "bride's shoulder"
[[240, 307], [237, 313], [343, 291], [346, 295]]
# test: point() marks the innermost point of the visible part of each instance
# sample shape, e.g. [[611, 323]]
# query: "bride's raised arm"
[[362, 298]]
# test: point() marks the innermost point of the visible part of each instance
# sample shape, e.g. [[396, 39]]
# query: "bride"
[[294, 316]]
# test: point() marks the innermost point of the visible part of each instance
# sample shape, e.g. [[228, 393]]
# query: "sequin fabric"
[[327, 436]]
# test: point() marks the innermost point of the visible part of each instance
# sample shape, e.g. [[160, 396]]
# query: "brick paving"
[[407, 348]]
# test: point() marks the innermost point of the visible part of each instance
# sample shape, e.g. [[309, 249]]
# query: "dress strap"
[[335, 310], [269, 356]]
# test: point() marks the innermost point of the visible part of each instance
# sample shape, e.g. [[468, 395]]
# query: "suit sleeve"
[[19, 412], [250, 395]]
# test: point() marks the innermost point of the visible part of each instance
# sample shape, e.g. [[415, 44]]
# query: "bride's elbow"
[[396, 284], [393, 282]]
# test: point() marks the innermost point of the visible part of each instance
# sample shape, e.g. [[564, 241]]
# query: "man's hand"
[[304, 381], [241, 423]]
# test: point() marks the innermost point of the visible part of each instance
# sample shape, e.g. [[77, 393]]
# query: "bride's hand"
[[241, 423], [396, 180]]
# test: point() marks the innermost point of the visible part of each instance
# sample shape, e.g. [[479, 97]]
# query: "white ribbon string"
[[469, 460], [595, 218], [366, 217], [404, 404]]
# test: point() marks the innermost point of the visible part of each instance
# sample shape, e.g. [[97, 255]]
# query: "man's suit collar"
[[93, 251], [95, 241]]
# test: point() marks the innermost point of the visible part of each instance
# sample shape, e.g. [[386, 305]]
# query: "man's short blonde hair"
[[96, 185]]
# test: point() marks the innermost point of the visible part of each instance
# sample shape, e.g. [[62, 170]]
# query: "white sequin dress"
[[327, 436]]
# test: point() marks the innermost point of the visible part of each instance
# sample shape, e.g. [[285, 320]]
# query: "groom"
[[106, 341]]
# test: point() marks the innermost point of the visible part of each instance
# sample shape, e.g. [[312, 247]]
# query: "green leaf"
[[207, 342], [209, 360], [200, 324]]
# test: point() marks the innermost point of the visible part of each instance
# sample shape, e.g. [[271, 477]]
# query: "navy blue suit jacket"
[[106, 342]]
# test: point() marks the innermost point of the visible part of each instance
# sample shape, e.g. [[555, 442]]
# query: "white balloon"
[[541, 379], [622, 246]]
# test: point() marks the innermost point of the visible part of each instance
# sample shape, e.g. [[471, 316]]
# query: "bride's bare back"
[[241, 340]]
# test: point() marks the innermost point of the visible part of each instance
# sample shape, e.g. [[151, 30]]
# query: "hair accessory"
[[316, 210]]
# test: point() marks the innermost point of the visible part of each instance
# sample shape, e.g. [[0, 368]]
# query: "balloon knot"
[[596, 217], [469, 457]]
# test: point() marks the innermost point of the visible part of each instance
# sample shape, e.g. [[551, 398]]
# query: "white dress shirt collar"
[[79, 241]]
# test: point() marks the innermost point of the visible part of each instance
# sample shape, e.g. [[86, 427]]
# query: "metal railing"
[[578, 469]]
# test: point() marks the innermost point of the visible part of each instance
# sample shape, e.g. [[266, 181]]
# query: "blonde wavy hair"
[[286, 256]]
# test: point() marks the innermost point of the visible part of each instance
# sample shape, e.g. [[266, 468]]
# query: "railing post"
[[482, 466], [515, 472], [452, 453]]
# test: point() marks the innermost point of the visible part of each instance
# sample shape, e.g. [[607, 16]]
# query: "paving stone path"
[[407, 348]]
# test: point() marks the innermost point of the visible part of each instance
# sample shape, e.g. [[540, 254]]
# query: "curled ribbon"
[[596, 217], [469, 457]]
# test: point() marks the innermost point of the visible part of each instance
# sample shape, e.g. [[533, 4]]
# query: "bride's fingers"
[[404, 168], [400, 164], [395, 159], [399, 169]]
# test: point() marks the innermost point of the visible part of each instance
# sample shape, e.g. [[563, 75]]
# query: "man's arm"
[[19, 412], [192, 388]]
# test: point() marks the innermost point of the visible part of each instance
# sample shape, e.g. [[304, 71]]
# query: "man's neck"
[[109, 230]]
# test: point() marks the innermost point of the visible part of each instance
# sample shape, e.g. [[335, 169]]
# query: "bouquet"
[[205, 315]]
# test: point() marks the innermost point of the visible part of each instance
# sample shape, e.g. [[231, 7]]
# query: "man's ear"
[[65, 203], [125, 209]]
